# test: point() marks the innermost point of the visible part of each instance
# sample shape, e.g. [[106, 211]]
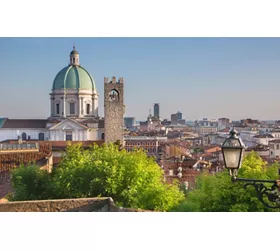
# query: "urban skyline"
[[235, 78]]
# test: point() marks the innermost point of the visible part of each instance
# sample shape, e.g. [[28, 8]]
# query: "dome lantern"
[[74, 57]]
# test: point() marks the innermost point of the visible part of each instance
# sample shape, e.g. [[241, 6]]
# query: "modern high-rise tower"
[[156, 110]]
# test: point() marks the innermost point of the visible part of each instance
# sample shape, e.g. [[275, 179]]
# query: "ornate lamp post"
[[232, 150]]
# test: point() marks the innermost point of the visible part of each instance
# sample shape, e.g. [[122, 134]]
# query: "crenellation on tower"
[[120, 80], [113, 79]]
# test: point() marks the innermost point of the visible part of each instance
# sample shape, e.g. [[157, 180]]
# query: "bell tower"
[[114, 109]]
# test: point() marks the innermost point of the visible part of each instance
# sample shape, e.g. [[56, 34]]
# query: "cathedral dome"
[[74, 51], [74, 77]]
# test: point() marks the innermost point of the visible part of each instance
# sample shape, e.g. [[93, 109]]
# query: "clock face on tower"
[[113, 95]]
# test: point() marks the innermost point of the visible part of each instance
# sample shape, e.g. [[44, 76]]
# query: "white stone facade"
[[67, 129], [274, 148], [85, 103]]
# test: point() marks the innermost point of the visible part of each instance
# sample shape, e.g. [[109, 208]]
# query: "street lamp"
[[232, 150]]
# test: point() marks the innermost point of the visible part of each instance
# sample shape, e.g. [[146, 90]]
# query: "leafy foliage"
[[30, 183], [131, 178], [217, 193]]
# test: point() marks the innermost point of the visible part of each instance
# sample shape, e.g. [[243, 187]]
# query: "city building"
[[151, 144], [156, 110], [181, 122], [174, 119], [250, 122], [263, 139], [205, 126], [274, 149], [276, 132], [223, 123], [205, 130], [205, 122], [179, 115], [165, 122], [129, 122], [260, 149], [185, 172]]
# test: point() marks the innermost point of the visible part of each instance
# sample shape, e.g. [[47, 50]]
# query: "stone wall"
[[66, 205]]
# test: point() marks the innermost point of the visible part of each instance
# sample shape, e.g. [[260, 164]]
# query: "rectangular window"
[[57, 109], [68, 136], [72, 108], [88, 108]]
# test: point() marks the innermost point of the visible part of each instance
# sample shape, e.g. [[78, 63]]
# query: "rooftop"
[[24, 123], [144, 138]]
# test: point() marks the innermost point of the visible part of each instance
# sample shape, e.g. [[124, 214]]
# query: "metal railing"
[[16, 146]]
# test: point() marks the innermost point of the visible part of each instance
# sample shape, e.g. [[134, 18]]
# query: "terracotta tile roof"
[[54, 120], [60, 145], [264, 136], [89, 120], [25, 123], [275, 141], [224, 130]]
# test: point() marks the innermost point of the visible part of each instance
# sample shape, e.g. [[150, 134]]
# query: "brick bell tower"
[[114, 110]]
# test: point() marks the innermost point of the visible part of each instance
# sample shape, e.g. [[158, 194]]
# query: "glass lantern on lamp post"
[[267, 190], [232, 150]]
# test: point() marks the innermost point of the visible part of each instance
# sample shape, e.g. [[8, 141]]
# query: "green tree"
[[30, 183], [131, 178], [218, 193]]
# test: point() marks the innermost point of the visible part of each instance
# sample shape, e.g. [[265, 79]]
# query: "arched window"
[[113, 95], [41, 137], [57, 108], [72, 108], [102, 136], [277, 146], [88, 109], [23, 136]]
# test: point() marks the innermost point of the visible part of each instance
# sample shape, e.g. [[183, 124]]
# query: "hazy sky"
[[201, 77]]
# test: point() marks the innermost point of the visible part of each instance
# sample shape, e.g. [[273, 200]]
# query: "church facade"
[[73, 110]]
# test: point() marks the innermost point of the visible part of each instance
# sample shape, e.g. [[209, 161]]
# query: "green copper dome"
[[74, 52], [73, 77]]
